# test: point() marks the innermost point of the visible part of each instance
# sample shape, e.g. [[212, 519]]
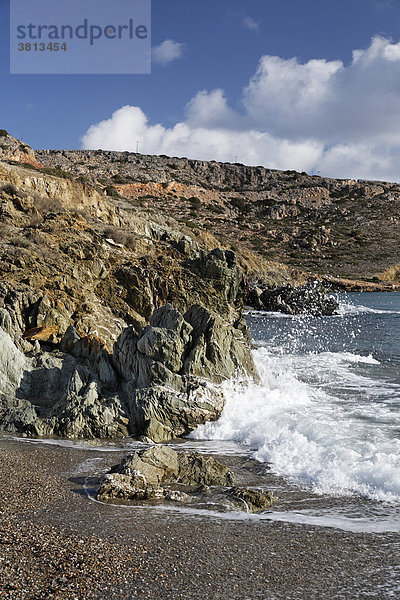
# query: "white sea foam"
[[346, 309], [314, 419]]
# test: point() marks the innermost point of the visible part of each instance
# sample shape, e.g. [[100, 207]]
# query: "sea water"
[[326, 413], [323, 421]]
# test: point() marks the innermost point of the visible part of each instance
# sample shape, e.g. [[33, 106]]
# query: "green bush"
[[111, 191], [215, 209], [240, 204], [118, 179], [196, 202], [83, 179], [56, 172], [4, 133], [189, 223]]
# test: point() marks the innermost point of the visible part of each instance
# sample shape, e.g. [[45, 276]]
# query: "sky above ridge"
[[312, 85]]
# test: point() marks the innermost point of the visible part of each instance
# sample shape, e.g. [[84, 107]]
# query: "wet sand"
[[57, 543]]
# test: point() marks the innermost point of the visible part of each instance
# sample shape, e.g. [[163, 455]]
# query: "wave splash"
[[335, 439]]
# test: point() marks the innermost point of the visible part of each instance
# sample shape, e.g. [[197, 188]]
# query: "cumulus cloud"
[[129, 124], [167, 51], [342, 120], [251, 24]]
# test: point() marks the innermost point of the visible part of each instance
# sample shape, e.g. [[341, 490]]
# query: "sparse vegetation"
[[83, 179], [119, 179], [10, 189], [196, 202], [391, 274], [240, 204], [111, 191], [44, 205], [4, 133], [121, 236], [189, 223], [56, 172]]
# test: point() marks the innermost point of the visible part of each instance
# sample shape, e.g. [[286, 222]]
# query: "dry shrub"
[[45, 205], [120, 236], [391, 274], [4, 231], [20, 242]]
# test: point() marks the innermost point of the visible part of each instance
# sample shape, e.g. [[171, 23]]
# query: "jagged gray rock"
[[172, 367], [219, 267], [162, 473], [53, 394], [162, 413], [161, 383], [311, 299]]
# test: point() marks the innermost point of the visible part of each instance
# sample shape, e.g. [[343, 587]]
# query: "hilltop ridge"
[[329, 227]]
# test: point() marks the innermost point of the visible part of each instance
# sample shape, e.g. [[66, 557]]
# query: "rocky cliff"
[[113, 320], [123, 278]]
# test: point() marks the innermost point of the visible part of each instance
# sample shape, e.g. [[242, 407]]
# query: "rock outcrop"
[[16, 150], [173, 366], [161, 382], [161, 473], [51, 393], [311, 299], [80, 269]]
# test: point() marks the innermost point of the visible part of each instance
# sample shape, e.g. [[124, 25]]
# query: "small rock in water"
[[255, 500], [154, 474], [311, 299]]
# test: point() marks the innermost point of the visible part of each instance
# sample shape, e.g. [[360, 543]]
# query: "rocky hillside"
[[113, 321], [123, 279], [340, 228]]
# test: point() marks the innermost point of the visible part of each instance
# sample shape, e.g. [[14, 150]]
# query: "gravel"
[[56, 543]]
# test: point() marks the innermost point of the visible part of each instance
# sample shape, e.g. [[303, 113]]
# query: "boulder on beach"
[[162, 473], [252, 500]]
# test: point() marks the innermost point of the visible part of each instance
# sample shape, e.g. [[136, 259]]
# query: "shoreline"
[[360, 285], [56, 543]]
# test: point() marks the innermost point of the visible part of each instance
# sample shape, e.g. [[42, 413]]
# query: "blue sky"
[[219, 46]]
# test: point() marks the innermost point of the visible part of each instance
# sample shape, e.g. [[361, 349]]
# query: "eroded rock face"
[[173, 366], [220, 268], [161, 382], [162, 473], [12, 364], [54, 394]]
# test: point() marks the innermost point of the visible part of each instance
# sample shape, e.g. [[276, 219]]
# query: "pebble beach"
[[57, 543]]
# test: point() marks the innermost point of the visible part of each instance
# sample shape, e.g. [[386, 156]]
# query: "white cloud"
[[129, 124], [342, 120], [167, 51], [251, 24]]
